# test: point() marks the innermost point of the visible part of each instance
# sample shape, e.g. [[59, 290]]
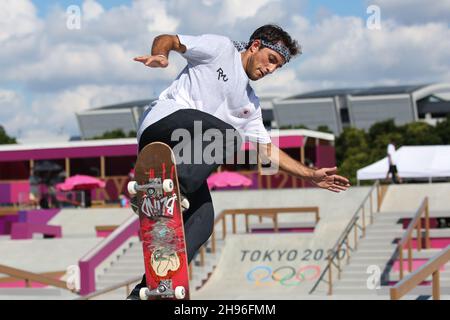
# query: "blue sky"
[[45, 5], [49, 73], [342, 8]]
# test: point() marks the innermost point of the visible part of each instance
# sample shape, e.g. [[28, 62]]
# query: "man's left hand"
[[326, 178]]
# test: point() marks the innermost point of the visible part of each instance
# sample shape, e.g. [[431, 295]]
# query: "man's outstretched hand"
[[159, 61], [326, 178]]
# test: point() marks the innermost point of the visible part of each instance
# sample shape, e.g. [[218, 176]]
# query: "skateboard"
[[159, 205]]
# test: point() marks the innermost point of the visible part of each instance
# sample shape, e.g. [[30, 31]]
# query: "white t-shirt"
[[391, 153], [215, 82]]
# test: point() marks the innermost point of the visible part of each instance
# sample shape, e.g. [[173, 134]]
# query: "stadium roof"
[[127, 105], [385, 90], [112, 147]]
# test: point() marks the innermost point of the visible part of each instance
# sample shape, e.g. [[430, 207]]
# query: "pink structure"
[[435, 243], [112, 161], [416, 264], [91, 260], [38, 216], [10, 192], [23, 230]]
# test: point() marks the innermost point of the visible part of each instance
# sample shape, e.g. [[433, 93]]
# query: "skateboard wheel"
[[168, 185], [132, 186], [185, 204], [143, 294], [180, 293]]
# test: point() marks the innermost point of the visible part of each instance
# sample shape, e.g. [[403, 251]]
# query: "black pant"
[[394, 172], [192, 175]]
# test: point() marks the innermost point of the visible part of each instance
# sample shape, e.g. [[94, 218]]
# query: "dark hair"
[[274, 34]]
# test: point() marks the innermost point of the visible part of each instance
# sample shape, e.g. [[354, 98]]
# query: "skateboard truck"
[[164, 290], [153, 186]]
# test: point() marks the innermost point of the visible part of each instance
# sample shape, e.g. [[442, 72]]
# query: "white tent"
[[412, 162]]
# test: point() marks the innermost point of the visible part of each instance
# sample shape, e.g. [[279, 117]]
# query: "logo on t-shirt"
[[222, 75]]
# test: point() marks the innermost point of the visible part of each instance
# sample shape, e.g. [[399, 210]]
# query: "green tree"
[[325, 129], [355, 149], [352, 140], [420, 133], [290, 127], [115, 134], [352, 152], [349, 167], [4, 138], [443, 130], [382, 127]]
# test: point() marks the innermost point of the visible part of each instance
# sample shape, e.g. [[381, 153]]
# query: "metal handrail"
[[30, 276], [115, 287], [416, 223], [261, 212], [432, 267], [343, 238]]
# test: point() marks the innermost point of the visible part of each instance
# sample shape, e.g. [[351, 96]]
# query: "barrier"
[[102, 251], [414, 279]]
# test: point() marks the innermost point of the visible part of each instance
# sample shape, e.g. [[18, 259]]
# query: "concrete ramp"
[[265, 267], [284, 265], [78, 223], [408, 197], [41, 256]]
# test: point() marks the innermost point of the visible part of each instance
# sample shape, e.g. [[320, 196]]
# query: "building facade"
[[361, 108]]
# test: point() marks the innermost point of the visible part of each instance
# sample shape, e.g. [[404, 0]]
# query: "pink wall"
[[416, 264], [10, 191], [435, 243], [62, 153], [325, 157], [101, 252]]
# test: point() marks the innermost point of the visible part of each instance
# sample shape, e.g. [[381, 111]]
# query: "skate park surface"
[[266, 266], [282, 266]]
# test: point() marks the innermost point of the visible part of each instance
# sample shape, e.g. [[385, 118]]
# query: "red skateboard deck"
[[161, 224]]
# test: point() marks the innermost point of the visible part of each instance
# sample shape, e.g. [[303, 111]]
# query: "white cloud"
[[17, 18], [53, 115], [281, 83], [10, 102], [342, 50], [234, 10], [156, 15], [92, 10], [63, 71], [414, 11], [59, 58]]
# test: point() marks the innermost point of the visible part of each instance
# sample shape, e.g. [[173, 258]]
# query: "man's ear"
[[256, 44]]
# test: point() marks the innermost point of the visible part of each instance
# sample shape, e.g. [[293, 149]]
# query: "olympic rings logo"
[[265, 276]]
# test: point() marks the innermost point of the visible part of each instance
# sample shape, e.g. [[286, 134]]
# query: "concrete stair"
[[130, 263], [126, 266], [200, 274], [378, 248], [36, 294]]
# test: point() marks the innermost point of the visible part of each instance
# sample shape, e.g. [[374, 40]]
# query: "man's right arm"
[[162, 45]]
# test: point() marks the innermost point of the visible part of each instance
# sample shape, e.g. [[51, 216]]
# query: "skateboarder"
[[213, 92]]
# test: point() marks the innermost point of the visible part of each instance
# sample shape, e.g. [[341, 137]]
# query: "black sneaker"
[[134, 295], [134, 205]]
